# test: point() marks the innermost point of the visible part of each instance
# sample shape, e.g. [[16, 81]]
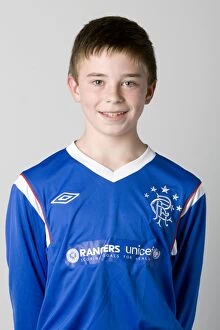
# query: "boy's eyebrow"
[[96, 74]]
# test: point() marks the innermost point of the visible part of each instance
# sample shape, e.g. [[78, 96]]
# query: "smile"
[[113, 114]]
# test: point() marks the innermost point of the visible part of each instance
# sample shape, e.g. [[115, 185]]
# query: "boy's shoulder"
[[172, 173], [168, 163], [48, 165]]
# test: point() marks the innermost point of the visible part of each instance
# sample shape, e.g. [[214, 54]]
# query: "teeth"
[[113, 114]]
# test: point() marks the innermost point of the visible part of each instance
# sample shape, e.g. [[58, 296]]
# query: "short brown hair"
[[116, 34]]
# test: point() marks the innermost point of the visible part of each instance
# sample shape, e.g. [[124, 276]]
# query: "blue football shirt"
[[89, 248]]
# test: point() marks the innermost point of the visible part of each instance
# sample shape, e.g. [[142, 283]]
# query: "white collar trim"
[[113, 176]]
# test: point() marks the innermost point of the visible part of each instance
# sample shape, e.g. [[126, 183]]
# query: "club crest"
[[163, 204]]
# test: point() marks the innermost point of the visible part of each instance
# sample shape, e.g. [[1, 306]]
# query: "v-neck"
[[105, 172]]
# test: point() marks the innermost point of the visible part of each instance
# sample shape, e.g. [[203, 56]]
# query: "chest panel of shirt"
[[105, 210]]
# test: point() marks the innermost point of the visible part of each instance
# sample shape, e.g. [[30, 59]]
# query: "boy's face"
[[112, 91]]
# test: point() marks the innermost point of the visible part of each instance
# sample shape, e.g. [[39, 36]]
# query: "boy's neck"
[[112, 152]]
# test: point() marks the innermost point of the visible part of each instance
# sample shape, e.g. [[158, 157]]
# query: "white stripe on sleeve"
[[24, 187], [198, 193]]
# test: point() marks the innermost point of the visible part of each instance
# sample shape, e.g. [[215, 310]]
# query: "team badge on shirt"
[[163, 204]]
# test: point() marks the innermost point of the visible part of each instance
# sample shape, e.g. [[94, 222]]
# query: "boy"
[[107, 234]]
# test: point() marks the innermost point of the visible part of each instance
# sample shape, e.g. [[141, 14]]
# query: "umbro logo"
[[65, 198]]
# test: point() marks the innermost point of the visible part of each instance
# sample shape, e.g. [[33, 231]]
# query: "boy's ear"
[[74, 88], [150, 92]]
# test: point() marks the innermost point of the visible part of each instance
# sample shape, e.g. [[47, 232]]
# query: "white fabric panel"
[[23, 186], [107, 173], [193, 199], [174, 249]]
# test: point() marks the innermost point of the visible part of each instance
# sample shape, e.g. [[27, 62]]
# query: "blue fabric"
[[109, 265]]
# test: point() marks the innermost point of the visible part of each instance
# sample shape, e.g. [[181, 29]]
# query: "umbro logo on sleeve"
[[65, 198]]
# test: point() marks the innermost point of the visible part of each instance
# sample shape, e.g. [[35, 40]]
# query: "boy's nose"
[[114, 100], [114, 96]]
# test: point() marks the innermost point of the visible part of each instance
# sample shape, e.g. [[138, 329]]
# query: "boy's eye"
[[97, 82], [130, 83]]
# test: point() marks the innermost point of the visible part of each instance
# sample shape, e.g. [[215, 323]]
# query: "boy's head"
[[114, 34], [112, 74]]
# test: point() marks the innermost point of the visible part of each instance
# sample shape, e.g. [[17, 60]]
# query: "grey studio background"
[[38, 115]]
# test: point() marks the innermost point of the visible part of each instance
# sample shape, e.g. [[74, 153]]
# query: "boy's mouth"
[[113, 114]]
